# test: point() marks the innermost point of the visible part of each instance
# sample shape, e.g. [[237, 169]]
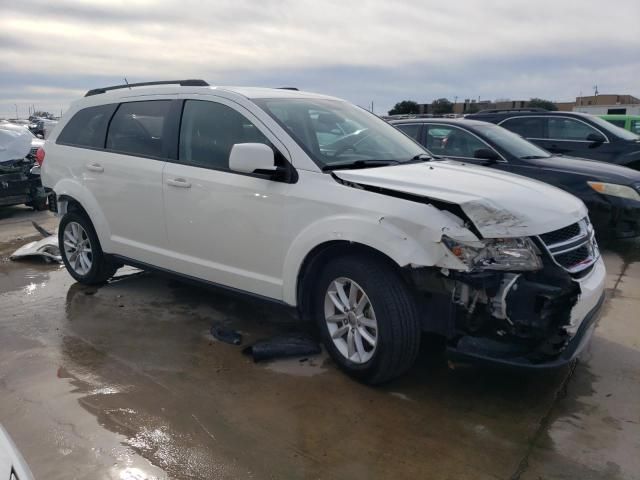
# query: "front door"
[[225, 227]]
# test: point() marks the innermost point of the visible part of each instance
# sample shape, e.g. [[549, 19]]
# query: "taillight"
[[40, 155]]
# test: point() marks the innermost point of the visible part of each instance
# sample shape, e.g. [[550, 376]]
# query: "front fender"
[[71, 188], [405, 243]]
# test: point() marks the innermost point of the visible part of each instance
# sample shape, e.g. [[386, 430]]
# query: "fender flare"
[[68, 187], [377, 233]]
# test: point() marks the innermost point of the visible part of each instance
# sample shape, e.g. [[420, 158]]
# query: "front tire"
[[367, 317], [81, 251]]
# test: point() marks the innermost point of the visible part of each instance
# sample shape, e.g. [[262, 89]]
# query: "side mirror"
[[252, 158], [596, 137], [486, 154]]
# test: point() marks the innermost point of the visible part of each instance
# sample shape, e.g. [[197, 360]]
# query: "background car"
[[570, 133], [628, 122], [610, 192]]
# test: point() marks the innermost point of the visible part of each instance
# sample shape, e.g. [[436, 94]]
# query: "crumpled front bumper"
[[584, 316]]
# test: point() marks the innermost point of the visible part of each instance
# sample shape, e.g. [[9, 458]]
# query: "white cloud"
[[246, 40]]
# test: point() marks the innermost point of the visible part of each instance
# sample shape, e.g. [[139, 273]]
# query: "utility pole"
[[595, 90]]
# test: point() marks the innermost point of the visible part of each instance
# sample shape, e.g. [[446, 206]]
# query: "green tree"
[[542, 103], [441, 106], [405, 107]]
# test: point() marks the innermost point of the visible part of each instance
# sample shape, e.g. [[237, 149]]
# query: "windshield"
[[334, 132], [617, 131], [511, 143]]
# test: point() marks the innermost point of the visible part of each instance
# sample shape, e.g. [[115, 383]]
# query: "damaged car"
[[19, 171], [311, 202]]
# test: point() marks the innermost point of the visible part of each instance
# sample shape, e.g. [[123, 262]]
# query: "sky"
[[380, 51]]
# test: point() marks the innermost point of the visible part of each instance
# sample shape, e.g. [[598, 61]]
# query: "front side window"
[[411, 129], [88, 127], [208, 132], [448, 141], [137, 128], [569, 129], [527, 127], [336, 133]]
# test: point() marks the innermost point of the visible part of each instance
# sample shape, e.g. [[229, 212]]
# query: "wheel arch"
[[72, 195], [322, 253]]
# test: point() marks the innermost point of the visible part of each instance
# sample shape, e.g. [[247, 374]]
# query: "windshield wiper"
[[423, 157], [359, 164], [532, 157]]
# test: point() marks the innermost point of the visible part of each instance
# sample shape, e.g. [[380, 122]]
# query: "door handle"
[[179, 182], [95, 167]]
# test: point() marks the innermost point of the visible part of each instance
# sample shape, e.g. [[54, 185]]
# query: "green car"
[[628, 122]]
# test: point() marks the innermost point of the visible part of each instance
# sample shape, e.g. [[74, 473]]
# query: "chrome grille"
[[574, 247]]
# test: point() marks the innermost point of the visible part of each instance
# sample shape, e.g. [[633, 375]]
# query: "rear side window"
[[569, 129], [635, 126], [88, 127], [411, 129], [137, 128], [527, 127], [209, 130]]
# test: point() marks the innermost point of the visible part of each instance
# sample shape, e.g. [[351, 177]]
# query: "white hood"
[[499, 204]]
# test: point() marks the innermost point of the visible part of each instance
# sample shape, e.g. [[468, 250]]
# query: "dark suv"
[[570, 133]]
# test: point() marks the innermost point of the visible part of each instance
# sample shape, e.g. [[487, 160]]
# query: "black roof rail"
[[288, 88], [182, 83], [507, 110]]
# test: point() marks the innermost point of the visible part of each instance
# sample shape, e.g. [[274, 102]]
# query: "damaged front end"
[[524, 302]]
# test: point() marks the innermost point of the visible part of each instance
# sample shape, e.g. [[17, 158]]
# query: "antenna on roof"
[[127, 83]]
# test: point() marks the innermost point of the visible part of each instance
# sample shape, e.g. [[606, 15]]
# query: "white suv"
[[311, 202]]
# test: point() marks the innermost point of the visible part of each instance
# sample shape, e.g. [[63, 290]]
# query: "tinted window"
[[411, 129], [568, 129], [450, 141], [635, 126], [209, 130], [137, 128], [88, 127], [527, 127]]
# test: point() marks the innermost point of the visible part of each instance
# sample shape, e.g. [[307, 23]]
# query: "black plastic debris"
[[292, 345], [41, 230], [226, 335]]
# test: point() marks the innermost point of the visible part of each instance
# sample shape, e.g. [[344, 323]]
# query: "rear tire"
[[81, 251], [367, 317]]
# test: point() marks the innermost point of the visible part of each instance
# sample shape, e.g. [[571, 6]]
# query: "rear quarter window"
[[527, 127], [137, 128], [88, 127]]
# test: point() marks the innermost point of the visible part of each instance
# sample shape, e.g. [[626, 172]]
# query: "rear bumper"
[[584, 316]]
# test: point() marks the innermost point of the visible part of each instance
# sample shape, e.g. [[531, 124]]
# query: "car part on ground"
[[283, 346], [47, 248], [226, 335], [342, 217], [611, 192]]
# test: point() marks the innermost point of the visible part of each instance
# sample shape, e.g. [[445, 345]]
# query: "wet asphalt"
[[126, 382]]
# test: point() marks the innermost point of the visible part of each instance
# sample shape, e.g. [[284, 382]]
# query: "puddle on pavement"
[[133, 355]]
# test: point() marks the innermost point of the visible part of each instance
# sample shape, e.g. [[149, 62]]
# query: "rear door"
[[126, 177], [226, 227]]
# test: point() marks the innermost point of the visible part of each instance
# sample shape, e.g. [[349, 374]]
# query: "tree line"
[[442, 106]]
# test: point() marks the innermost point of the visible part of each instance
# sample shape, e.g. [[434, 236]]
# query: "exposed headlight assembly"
[[513, 254], [615, 190]]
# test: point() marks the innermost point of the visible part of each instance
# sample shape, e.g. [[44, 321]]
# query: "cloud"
[[372, 50]]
